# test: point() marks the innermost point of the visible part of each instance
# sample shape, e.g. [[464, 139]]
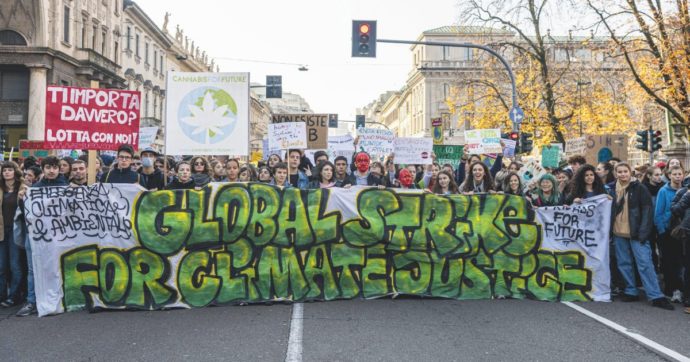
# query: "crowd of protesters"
[[650, 221]]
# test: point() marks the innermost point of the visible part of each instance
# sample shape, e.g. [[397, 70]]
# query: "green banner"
[[108, 247], [448, 154]]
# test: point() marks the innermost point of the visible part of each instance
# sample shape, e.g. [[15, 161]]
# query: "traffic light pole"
[[516, 127], [372, 122]]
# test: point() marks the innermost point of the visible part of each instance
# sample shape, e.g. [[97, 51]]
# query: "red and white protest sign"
[[91, 119]]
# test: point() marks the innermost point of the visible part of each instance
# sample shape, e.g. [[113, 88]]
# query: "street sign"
[[516, 114], [274, 86], [332, 121]]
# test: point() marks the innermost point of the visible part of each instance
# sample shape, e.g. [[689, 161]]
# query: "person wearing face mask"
[[631, 225], [151, 177], [361, 176]]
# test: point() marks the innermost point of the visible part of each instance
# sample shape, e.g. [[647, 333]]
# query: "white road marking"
[[665, 351], [294, 350]]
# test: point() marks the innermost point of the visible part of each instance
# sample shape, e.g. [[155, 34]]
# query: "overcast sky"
[[315, 33]]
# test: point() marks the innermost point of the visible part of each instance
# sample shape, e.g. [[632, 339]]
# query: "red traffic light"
[[514, 136]]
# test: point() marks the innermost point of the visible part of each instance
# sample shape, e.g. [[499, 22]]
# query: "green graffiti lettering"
[[375, 273], [293, 224], [265, 205], [437, 220], [348, 262], [544, 283], [204, 232], [319, 273], [402, 224], [475, 283], [80, 276], [575, 278], [113, 276], [149, 272], [279, 270], [324, 226], [447, 276], [233, 207], [158, 226], [412, 273], [373, 206], [194, 280]]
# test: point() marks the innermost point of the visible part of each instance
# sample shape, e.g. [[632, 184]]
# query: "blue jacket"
[[302, 180], [662, 211]]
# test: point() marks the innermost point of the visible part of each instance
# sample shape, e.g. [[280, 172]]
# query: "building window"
[[155, 59], [446, 53], [83, 33], [65, 25], [129, 38], [104, 34], [14, 85], [136, 45], [93, 37], [161, 62], [155, 105], [116, 52], [146, 104], [146, 53], [9, 37]]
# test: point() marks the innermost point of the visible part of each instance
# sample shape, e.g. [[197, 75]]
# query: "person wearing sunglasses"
[[201, 171], [122, 172]]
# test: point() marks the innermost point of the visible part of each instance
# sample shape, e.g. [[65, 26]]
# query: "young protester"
[[340, 163], [51, 177], [183, 180], [680, 208], [280, 175], [201, 171], [575, 162], [152, 178], [218, 171], [320, 156], [653, 181], [265, 174], [11, 254], [631, 224], [670, 249], [586, 184], [32, 175], [563, 176], [273, 160], [512, 184], [467, 159], [66, 167], [406, 179], [324, 176], [605, 172], [122, 172], [431, 175], [362, 176], [247, 174], [297, 177], [445, 184], [232, 170], [480, 180], [449, 168], [547, 193], [514, 166], [79, 170]]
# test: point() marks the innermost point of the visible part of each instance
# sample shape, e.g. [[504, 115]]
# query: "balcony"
[[446, 65]]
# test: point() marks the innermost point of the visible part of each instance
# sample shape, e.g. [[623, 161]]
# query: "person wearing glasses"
[[122, 172], [201, 171]]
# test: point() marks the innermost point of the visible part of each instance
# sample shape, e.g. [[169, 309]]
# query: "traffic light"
[[642, 140], [656, 140], [274, 86], [360, 121], [364, 38], [526, 142]]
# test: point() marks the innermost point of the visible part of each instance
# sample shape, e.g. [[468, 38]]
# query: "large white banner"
[[585, 228], [413, 150], [207, 114]]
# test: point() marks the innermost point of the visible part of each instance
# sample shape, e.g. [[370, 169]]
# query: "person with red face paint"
[[361, 176], [406, 179]]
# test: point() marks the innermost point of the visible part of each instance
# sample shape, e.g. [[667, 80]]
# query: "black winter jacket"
[[680, 209], [122, 176], [152, 181], [640, 210], [371, 180]]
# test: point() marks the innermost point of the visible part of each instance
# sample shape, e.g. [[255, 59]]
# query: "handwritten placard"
[[576, 146], [282, 136], [550, 155], [375, 141], [483, 141], [509, 151], [448, 154], [340, 146], [413, 150]]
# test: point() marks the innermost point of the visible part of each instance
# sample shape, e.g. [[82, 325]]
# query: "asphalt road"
[[403, 329]]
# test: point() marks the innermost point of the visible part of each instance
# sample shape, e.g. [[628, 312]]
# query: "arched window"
[[9, 37]]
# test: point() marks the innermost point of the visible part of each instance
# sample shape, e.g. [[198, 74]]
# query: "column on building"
[[38, 82]]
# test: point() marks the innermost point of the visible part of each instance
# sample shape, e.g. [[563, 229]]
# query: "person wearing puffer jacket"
[[669, 247]]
